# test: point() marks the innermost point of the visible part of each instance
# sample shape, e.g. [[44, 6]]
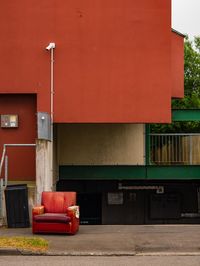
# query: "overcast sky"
[[186, 16]]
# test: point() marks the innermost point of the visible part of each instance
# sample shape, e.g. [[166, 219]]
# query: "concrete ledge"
[[168, 254], [9, 252], [15, 252], [94, 253]]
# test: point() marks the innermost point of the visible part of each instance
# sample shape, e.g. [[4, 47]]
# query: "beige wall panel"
[[100, 144]]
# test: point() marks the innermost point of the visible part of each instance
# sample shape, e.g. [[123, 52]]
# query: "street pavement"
[[119, 240], [100, 261]]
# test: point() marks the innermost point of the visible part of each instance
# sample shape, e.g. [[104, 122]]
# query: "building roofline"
[[179, 33]]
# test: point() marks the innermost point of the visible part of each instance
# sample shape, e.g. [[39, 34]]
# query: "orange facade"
[[177, 63], [114, 59]]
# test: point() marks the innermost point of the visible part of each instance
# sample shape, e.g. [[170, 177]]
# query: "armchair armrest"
[[38, 210], [73, 211]]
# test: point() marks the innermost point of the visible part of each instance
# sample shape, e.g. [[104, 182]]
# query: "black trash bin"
[[16, 197]]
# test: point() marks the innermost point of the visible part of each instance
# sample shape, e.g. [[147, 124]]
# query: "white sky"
[[186, 16]]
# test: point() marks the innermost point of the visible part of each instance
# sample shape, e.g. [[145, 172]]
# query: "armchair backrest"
[[58, 202]]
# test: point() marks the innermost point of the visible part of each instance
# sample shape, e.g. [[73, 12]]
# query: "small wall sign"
[[9, 121]]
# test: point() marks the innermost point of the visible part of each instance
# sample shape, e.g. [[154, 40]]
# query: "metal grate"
[[175, 149]]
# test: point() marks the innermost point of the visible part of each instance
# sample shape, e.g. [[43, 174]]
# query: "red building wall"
[[112, 57], [21, 160], [177, 65]]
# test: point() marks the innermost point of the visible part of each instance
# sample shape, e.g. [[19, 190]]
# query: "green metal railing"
[[175, 149]]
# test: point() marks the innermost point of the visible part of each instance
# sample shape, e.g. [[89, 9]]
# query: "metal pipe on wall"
[[50, 48]]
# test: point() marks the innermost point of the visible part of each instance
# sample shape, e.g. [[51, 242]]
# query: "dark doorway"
[[125, 207], [90, 208]]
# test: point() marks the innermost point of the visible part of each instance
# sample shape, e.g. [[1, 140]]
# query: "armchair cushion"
[[52, 218], [58, 202]]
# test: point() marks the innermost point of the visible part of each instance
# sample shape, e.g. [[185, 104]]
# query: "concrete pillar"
[[3, 219], [44, 167]]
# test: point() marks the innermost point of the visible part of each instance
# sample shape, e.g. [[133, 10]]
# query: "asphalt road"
[[100, 261]]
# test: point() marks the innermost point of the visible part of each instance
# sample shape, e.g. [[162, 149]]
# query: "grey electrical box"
[[9, 121], [44, 126]]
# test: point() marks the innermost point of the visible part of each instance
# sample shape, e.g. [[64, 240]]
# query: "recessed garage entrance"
[[101, 202]]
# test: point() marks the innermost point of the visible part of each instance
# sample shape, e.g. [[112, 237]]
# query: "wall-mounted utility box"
[[9, 121], [44, 126]]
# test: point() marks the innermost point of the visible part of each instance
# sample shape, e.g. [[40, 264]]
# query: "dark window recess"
[[17, 206]]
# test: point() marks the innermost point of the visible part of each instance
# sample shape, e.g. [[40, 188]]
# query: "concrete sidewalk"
[[118, 240]]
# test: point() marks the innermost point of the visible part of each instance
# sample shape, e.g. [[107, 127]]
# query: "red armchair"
[[58, 213]]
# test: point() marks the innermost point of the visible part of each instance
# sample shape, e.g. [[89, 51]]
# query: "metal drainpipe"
[[50, 48], [2, 158], [52, 92]]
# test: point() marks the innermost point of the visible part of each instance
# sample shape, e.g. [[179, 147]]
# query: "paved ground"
[[100, 261], [122, 240]]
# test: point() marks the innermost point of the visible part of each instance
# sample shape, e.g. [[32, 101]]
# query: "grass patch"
[[24, 243]]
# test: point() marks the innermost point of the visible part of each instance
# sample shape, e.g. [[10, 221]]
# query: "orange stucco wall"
[[21, 160], [112, 57], [177, 65]]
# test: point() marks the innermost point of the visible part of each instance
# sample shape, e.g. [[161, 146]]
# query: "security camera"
[[51, 45]]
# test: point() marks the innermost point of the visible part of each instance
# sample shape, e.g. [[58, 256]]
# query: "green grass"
[[24, 243]]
